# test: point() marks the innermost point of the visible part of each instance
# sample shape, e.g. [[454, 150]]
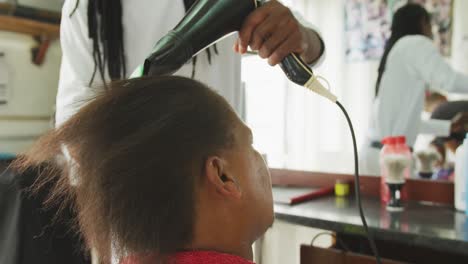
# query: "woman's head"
[[156, 160], [411, 19]]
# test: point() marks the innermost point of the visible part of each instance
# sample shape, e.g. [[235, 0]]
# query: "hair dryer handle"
[[296, 69], [292, 65]]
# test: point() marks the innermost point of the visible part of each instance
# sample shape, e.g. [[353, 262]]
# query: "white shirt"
[[144, 23], [413, 63]]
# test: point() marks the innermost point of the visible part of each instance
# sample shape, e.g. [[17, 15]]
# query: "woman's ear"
[[218, 176]]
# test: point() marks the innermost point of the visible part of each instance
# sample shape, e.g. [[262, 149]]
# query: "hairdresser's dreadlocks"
[[188, 4], [109, 33]]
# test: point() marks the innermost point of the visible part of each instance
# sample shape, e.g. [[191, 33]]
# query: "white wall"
[[32, 90]]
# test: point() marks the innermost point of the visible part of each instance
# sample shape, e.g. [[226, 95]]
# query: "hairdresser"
[[104, 40], [410, 63]]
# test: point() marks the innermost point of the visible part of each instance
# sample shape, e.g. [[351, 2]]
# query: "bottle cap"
[[342, 188], [386, 140], [392, 141], [401, 140]]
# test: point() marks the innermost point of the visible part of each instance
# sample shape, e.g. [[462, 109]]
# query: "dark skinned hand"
[[274, 32]]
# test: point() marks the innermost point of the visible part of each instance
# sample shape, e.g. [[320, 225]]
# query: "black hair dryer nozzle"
[[206, 22]]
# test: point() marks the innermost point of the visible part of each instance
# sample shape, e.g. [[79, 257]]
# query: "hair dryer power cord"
[[357, 185]]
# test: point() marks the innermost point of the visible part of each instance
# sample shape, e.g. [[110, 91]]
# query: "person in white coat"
[[105, 40], [410, 63]]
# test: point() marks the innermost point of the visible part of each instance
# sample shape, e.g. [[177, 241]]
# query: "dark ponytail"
[[408, 20]]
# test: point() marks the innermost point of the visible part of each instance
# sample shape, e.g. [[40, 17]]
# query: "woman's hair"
[[106, 30], [137, 151], [408, 20]]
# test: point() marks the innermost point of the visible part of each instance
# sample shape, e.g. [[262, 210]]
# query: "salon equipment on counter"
[[342, 188], [461, 174], [395, 161], [425, 161], [208, 21], [392, 145]]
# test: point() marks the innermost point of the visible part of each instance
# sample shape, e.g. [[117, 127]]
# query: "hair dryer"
[[207, 22]]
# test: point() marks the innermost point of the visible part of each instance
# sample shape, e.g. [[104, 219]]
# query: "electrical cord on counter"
[[357, 185]]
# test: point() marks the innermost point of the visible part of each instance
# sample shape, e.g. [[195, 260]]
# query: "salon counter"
[[429, 231], [431, 226]]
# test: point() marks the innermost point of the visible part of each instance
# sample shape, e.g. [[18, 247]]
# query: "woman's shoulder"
[[411, 49], [414, 43]]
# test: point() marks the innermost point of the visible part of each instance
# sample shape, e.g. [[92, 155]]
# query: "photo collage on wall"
[[368, 22]]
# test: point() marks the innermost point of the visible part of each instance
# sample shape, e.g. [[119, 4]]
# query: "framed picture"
[[368, 23]]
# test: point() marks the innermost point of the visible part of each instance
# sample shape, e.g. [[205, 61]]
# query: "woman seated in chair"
[[166, 173]]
